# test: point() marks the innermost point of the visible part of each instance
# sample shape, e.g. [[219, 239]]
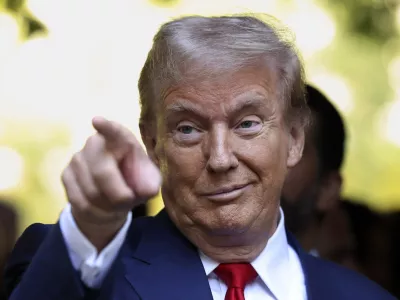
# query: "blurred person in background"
[[222, 120], [8, 235], [375, 237], [313, 186], [336, 239]]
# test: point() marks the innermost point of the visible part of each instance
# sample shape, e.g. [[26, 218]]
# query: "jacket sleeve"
[[39, 267], [92, 265]]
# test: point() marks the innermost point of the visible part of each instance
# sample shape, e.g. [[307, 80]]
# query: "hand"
[[106, 179]]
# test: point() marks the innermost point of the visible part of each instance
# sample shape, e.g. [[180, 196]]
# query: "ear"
[[330, 191], [149, 139], [296, 145]]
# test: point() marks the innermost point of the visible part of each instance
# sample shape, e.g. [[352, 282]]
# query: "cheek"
[[266, 156], [181, 166]]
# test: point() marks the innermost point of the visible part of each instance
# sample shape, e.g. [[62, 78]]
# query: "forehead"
[[221, 95]]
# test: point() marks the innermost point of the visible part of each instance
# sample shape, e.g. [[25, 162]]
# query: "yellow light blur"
[[335, 88], [50, 173], [90, 61], [12, 167], [391, 122], [9, 36], [220, 7], [313, 27], [90, 66], [99, 58], [394, 72]]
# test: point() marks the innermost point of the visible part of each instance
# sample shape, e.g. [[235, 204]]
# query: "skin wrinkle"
[[208, 62], [200, 70], [221, 154]]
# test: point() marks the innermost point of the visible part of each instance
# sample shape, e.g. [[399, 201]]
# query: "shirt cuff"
[[92, 266]]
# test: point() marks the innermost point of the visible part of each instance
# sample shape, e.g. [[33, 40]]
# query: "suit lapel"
[[317, 286], [162, 264]]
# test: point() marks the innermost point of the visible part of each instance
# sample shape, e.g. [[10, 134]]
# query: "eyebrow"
[[183, 105], [245, 102]]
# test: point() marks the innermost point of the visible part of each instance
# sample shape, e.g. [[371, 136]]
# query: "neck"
[[231, 248], [229, 251]]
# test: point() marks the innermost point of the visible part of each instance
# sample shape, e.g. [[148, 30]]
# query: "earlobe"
[[296, 146], [150, 142]]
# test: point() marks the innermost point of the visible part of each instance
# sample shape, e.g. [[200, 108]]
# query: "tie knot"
[[236, 275]]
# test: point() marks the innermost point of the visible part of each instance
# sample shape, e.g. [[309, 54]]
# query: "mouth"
[[226, 194]]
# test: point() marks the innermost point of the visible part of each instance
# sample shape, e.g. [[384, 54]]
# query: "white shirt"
[[278, 266]]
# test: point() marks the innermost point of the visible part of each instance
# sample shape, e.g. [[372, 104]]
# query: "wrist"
[[99, 231]]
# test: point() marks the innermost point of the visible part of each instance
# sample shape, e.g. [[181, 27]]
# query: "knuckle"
[[122, 197], [91, 140], [124, 203], [76, 161], [83, 207], [93, 193], [147, 191], [64, 176], [102, 172], [67, 179], [94, 142], [74, 199]]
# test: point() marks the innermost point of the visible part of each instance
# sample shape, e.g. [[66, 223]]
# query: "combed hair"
[[198, 47]]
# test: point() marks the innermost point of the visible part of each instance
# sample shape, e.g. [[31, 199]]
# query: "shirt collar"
[[273, 263]]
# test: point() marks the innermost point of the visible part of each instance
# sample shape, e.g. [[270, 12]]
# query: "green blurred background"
[[64, 61]]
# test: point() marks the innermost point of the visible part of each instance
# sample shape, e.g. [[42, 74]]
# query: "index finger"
[[119, 139]]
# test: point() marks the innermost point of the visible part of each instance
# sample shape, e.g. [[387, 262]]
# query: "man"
[[222, 120], [313, 186]]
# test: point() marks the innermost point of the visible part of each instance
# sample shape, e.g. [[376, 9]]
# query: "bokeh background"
[[64, 61]]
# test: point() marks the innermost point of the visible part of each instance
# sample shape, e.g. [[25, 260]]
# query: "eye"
[[187, 133], [248, 124], [186, 129]]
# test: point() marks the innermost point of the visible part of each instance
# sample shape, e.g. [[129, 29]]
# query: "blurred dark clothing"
[[375, 238], [8, 235], [337, 241]]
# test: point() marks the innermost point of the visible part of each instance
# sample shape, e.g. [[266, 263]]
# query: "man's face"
[[223, 147], [301, 188]]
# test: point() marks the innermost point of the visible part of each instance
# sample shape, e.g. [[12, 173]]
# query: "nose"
[[219, 152]]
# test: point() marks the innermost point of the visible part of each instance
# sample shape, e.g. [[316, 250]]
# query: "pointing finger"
[[119, 139]]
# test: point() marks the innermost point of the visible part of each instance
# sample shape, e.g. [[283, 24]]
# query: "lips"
[[226, 194], [224, 190]]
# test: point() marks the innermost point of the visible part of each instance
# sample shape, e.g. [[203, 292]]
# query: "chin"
[[227, 226]]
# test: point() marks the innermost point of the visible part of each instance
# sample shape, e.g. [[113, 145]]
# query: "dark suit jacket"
[[156, 262]]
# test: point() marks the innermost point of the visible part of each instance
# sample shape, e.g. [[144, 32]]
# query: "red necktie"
[[236, 276]]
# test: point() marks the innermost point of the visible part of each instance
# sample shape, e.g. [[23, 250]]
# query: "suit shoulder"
[[37, 229], [345, 281], [141, 224], [22, 254], [32, 237]]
